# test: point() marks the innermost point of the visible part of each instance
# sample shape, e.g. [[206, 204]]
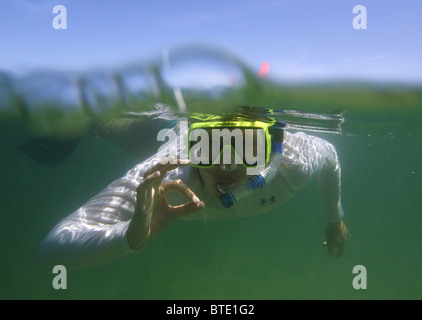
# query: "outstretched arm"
[[306, 157], [96, 232], [122, 218], [329, 180]]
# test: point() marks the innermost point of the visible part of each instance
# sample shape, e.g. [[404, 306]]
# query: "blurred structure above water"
[[182, 82]]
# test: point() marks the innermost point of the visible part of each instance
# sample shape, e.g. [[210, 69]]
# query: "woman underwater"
[[220, 178]]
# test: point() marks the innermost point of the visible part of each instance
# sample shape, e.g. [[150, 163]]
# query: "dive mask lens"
[[245, 143]]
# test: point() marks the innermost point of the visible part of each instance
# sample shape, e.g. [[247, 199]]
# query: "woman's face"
[[227, 173]]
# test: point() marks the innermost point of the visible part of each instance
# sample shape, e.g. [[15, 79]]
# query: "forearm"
[[99, 231], [329, 182]]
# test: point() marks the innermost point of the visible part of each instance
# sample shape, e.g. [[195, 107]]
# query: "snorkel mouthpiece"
[[230, 197]]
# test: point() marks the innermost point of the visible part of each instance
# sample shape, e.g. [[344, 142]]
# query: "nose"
[[229, 167], [229, 160]]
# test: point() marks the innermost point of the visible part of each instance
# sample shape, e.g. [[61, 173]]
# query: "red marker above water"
[[265, 68]]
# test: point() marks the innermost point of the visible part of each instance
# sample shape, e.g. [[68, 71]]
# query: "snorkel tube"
[[230, 197]]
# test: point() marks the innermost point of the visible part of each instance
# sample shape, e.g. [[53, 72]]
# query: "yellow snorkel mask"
[[214, 142]]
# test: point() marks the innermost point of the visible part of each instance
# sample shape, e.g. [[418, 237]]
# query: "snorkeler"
[[222, 178]]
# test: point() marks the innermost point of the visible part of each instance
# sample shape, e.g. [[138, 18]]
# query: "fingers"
[[185, 209], [179, 187], [331, 245], [155, 175], [148, 182], [145, 192], [342, 240], [330, 249], [164, 168], [337, 235], [152, 183], [340, 250]]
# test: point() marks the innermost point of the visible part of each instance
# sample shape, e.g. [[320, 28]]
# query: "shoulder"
[[301, 141], [308, 152], [301, 138]]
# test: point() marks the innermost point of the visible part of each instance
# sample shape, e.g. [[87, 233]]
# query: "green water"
[[278, 255]]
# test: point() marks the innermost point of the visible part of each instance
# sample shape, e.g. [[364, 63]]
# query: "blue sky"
[[301, 40]]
